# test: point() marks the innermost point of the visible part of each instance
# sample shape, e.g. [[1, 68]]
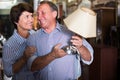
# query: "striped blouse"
[[12, 51]]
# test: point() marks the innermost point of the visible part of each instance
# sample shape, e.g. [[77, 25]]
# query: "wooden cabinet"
[[104, 66], [105, 20]]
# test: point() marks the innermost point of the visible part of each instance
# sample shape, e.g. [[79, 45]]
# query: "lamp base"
[[70, 50]]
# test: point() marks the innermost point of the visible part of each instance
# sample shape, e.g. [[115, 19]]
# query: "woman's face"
[[25, 21]]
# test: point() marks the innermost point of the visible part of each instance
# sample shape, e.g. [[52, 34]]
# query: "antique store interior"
[[106, 44]]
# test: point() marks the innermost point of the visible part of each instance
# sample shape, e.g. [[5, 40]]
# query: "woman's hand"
[[29, 51]]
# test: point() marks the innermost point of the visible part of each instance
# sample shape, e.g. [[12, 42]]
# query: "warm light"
[[83, 22], [35, 22]]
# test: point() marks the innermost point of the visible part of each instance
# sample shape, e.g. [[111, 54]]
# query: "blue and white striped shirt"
[[12, 51], [65, 68]]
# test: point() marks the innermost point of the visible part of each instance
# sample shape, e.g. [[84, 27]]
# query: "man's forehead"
[[43, 7]]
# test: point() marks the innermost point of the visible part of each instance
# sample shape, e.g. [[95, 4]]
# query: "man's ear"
[[55, 14]]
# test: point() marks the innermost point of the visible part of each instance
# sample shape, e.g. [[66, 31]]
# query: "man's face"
[[45, 15]]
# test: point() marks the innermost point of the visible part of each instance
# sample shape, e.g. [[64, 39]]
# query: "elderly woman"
[[15, 50]]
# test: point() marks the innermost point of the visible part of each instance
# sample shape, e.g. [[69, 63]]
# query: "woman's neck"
[[24, 34]]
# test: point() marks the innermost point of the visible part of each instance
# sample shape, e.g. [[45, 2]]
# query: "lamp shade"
[[82, 21]]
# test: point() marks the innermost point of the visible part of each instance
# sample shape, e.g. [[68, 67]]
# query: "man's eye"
[[43, 13]]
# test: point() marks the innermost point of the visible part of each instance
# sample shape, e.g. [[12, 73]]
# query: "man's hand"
[[77, 41], [57, 52]]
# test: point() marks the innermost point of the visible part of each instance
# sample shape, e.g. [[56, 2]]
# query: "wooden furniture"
[[104, 66], [105, 20]]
